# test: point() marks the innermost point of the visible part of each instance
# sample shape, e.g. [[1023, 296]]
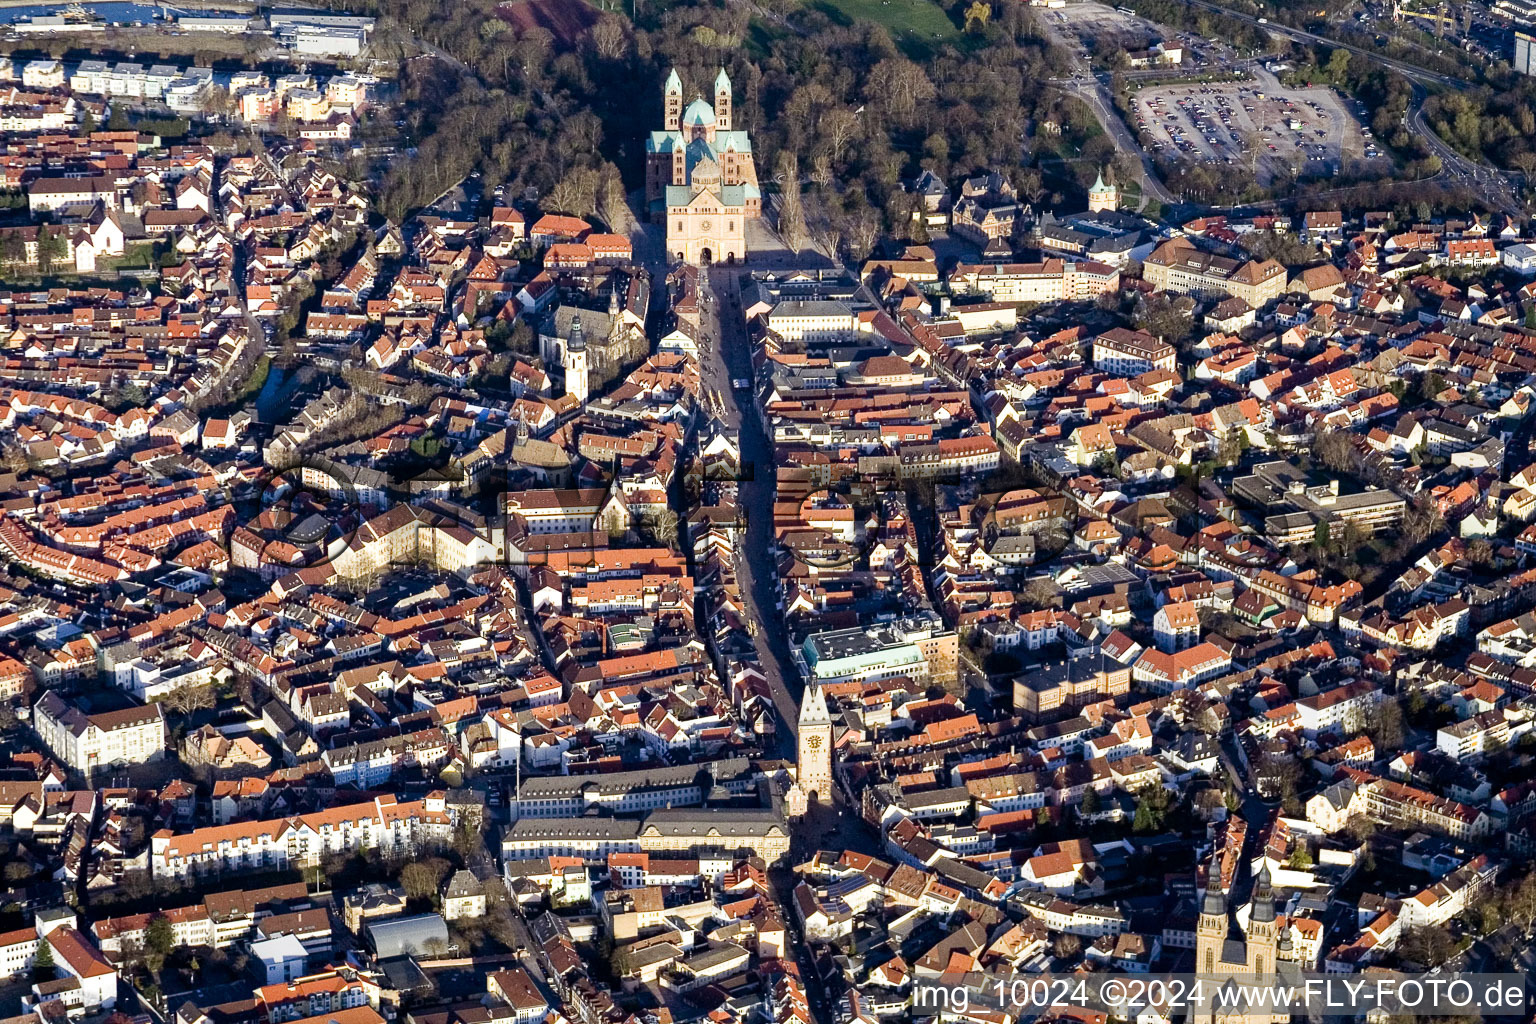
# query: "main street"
[[728, 355]]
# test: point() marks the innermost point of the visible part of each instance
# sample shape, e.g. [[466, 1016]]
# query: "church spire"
[[1263, 896], [1215, 900], [672, 102], [722, 102]]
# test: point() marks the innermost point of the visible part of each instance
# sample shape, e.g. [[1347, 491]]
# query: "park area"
[[919, 27]]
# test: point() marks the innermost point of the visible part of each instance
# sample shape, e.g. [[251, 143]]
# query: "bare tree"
[[863, 227], [791, 212], [612, 203], [1333, 450], [839, 126], [187, 698], [608, 38]]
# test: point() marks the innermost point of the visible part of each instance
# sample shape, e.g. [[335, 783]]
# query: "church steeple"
[[576, 384], [1263, 897], [722, 102], [672, 102]]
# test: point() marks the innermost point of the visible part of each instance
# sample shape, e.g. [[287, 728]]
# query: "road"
[[728, 355], [1492, 185], [1411, 70], [1091, 91]]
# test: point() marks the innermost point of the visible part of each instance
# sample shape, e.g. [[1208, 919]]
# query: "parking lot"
[[1259, 124], [1090, 21]]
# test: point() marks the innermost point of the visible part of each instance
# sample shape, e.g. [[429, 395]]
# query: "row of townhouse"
[[387, 824]]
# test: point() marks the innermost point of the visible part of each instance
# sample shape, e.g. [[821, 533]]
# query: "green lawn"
[[140, 256], [919, 27]]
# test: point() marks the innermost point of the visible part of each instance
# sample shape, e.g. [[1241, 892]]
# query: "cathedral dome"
[[699, 112]]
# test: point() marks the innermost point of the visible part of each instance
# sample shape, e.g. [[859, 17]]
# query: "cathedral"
[[1220, 955], [699, 177]]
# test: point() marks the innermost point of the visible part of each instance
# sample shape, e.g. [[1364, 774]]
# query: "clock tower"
[[815, 730]]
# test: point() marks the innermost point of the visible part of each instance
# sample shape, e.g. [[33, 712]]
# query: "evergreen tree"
[[43, 966], [46, 247]]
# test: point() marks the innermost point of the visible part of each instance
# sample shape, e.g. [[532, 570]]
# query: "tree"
[[791, 213], [48, 245], [900, 85], [838, 128], [1091, 801], [862, 229], [12, 249], [662, 526], [421, 879], [1041, 592], [217, 100], [1361, 828], [977, 15], [612, 202], [608, 37], [1384, 724], [159, 942], [1521, 902], [186, 698], [1430, 946], [44, 967], [1152, 803], [1066, 946], [1333, 450], [1168, 320]]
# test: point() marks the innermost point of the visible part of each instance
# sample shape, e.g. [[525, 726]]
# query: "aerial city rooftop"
[[742, 513]]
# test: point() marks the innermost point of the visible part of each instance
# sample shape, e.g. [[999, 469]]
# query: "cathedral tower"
[[1253, 956], [722, 102], [672, 102], [815, 767], [1261, 925], [1211, 931]]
